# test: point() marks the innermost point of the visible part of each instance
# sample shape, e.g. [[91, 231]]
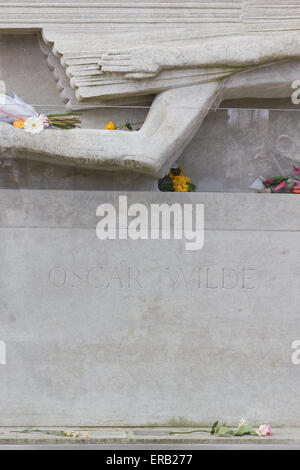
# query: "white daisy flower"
[[34, 125]]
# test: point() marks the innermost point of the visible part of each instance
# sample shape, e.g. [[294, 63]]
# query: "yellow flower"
[[181, 179], [181, 188], [20, 124], [110, 126], [180, 183]]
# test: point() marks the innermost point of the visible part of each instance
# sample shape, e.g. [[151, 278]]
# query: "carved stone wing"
[[78, 33], [270, 15]]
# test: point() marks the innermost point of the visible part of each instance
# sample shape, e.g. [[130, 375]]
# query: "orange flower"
[[110, 126], [20, 124], [296, 191]]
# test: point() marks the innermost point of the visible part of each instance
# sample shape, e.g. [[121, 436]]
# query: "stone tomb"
[[137, 333], [122, 332]]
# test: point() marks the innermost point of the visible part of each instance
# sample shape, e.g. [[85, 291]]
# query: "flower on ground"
[[264, 430], [20, 124], [110, 126], [34, 125]]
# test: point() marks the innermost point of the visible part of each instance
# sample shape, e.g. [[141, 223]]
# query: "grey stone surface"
[[145, 333]]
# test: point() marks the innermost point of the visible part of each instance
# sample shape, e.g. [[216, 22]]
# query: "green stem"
[[190, 432], [131, 123]]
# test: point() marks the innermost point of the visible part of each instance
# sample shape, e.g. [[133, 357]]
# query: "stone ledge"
[[146, 436]]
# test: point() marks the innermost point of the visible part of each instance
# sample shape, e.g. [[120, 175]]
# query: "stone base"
[[144, 438], [145, 333]]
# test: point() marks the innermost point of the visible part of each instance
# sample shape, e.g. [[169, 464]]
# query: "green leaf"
[[243, 430], [213, 428], [277, 180], [192, 187], [165, 184], [222, 431]]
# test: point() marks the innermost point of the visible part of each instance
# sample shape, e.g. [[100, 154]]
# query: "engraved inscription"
[[96, 277], [213, 278], [210, 278]]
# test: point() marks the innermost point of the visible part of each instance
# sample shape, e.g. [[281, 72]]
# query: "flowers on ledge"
[[36, 124], [175, 181], [32, 125], [243, 429], [130, 126], [15, 111], [283, 184]]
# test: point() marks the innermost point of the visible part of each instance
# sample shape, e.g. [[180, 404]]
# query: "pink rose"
[[264, 430]]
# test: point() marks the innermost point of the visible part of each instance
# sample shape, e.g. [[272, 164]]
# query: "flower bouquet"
[[15, 111], [286, 184], [175, 181]]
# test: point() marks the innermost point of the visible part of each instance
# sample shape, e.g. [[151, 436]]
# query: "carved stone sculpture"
[[233, 49]]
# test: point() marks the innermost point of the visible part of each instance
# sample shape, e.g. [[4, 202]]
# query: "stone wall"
[[144, 332]]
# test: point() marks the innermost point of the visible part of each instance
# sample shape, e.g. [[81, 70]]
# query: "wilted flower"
[[264, 430], [34, 125]]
